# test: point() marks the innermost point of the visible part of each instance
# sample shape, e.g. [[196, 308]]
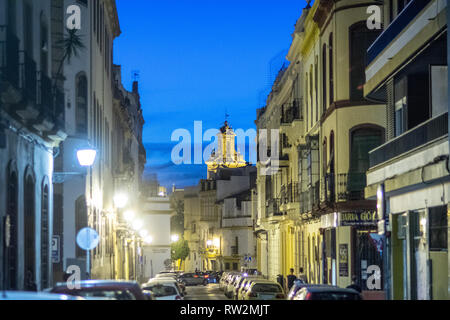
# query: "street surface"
[[209, 292]]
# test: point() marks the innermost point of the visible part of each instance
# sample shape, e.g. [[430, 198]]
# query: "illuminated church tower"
[[226, 156]]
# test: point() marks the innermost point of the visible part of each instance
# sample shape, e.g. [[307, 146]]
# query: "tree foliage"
[[180, 250]]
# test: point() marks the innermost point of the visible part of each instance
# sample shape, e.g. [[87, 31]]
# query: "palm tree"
[[71, 45]]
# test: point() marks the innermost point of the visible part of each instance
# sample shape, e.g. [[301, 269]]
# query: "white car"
[[25, 295], [164, 289], [264, 290]]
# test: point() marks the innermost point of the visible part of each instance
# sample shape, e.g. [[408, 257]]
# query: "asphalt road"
[[209, 292]]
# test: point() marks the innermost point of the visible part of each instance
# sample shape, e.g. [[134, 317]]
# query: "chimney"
[[135, 87]]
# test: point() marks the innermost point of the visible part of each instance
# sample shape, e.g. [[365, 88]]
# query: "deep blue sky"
[[197, 59]]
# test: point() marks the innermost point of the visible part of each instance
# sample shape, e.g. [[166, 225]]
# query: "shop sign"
[[343, 260], [365, 218]]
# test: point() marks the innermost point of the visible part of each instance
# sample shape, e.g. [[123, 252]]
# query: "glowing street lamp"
[[175, 238], [128, 215], [216, 242], [209, 243], [137, 225], [148, 239], [120, 200], [86, 156], [143, 233]]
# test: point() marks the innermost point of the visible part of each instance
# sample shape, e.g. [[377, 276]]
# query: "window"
[[12, 253], [360, 40], [45, 238], [12, 15], [28, 28], [29, 232], [235, 266], [44, 45], [400, 117], [331, 77], [316, 86], [324, 78], [438, 228], [81, 104], [311, 94], [363, 140]]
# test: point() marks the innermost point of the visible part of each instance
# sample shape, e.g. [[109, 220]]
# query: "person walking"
[[302, 276], [290, 279]]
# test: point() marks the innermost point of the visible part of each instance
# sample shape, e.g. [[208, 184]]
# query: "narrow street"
[[209, 292]]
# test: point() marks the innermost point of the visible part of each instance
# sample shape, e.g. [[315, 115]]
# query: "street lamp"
[[128, 215], [143, 233], [86, 156], [175, 238], [120, 200], [209, 243], [148, 239], [137, 225]]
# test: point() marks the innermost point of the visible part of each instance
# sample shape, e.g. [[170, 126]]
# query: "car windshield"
[[112, 294], [334, 296], [162, 291], [266, 287]]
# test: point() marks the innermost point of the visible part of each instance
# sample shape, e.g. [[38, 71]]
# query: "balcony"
[[310, 198], [291, 112], [273, 207], [411, 11], [343, 187], [290, 193], [50, 104], [424, 133], [9, 59]]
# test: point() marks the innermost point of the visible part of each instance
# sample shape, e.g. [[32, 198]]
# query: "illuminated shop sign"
[[365, 218]]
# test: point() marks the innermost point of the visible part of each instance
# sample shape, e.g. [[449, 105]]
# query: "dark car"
[[192, 279], [299, 284], [102, 289], [327, 293]]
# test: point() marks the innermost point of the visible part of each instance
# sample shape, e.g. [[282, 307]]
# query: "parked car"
[[299, 284], [245, 286], [181, 286], [211, 276], [233, 279], [327, 293], [164, 290], [114, 289], [22, 295], [264, 290], [223, 281], [192, 279]]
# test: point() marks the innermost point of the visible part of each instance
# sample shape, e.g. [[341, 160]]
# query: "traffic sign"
[[87, 239], [56, 249]]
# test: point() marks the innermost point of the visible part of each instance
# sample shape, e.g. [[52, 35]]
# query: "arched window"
[[81, 104], [324, 78], [360, 38], [45, 237], [12, 220], [363, 140], [331, 77], [29, 231]]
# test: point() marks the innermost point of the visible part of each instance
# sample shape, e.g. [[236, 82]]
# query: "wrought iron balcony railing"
[[310, 198], [273, 207], [28, 76], [343, 187], [50, 100], [290, 193], [291, 112]]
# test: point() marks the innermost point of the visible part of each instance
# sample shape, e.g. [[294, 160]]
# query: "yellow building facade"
[[322, 224]]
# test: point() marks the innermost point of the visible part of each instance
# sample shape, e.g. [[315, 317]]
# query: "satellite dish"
[[87, 239]]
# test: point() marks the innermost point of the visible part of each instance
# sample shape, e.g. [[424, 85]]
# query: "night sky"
[[197, 60]]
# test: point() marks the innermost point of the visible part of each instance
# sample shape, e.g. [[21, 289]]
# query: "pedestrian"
[[290, 279], [355, 286], [302, 276]]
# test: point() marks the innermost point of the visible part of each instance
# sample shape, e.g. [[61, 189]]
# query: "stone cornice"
[[111, 9]]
